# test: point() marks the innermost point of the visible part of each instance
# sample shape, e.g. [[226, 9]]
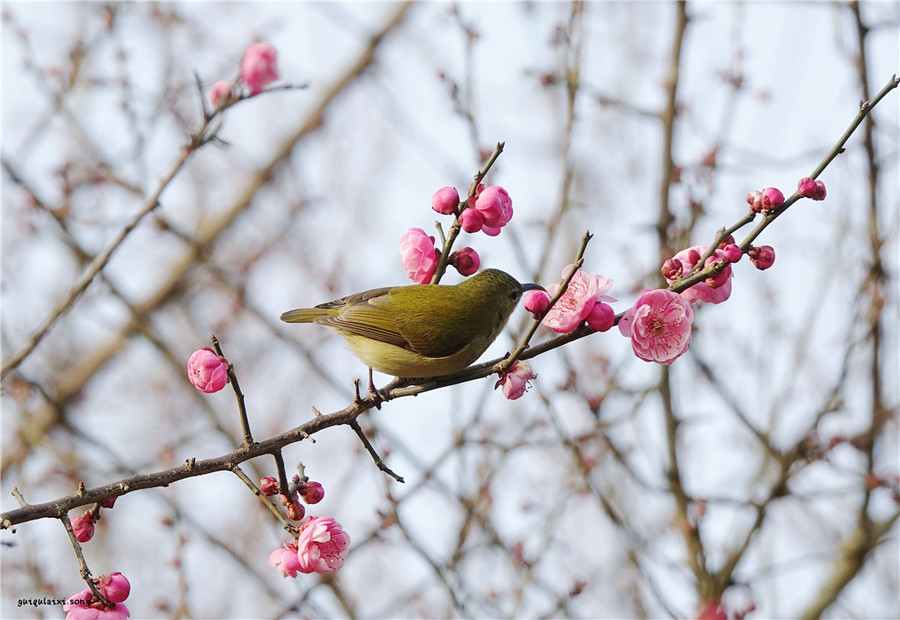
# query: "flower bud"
[[720, 278], [806, 187], [219, 91], [258, 66], [445, 200], [762, 257], [732, 253], [771, 199], [207, 371], [536, 301], [726, 241], [466, 261], [294, 508], [471, 220], [672, 269], [109, 503], [268, 486], [693, 256], [819, 194], [114, 587], [602, 317], [312, 492], [83, 526], [754, 199]]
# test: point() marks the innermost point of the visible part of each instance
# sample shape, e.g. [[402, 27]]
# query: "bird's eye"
[[515, 295]]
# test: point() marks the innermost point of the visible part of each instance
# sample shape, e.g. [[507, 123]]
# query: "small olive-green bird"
[[422, 330]]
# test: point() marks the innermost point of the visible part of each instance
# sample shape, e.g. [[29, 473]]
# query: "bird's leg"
[[375, 393]]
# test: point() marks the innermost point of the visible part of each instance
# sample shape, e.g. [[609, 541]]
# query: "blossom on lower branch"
[[515, 380], [321, 547], [659, 325], [712, 290], [114, 587]]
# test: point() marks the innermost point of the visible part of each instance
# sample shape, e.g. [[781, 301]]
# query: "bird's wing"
[[445, 329], [367, 314]]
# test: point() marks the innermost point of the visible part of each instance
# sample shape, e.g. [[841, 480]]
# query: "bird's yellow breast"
[[400, 362]]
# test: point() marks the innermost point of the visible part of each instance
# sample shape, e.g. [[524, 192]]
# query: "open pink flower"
[[659, 325], [585, 290], [258, 66], [207, 371], [496, 209], [418, 255], [285, 559], [322, 545], [515, 380], [702, 291], [82, 606]]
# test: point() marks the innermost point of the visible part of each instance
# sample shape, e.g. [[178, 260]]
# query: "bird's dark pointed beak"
[[530, 286]]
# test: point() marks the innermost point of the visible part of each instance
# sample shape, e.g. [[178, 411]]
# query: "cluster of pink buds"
[[85, 606], [310, 491], [808, 188], [765, 201], [259, 67]]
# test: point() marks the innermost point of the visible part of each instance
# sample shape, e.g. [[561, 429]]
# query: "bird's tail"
[[303, 315]]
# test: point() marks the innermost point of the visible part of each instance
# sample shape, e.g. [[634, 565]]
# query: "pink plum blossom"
[[207, 371], [258, 66], [322, 545], [219, 91], [496, 208], [466, 261], [515, 380], [313, 492], [285, 559], [445, 201], [418, 255], [702, 291], [82, 606], [659, 325], [585, 290]]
